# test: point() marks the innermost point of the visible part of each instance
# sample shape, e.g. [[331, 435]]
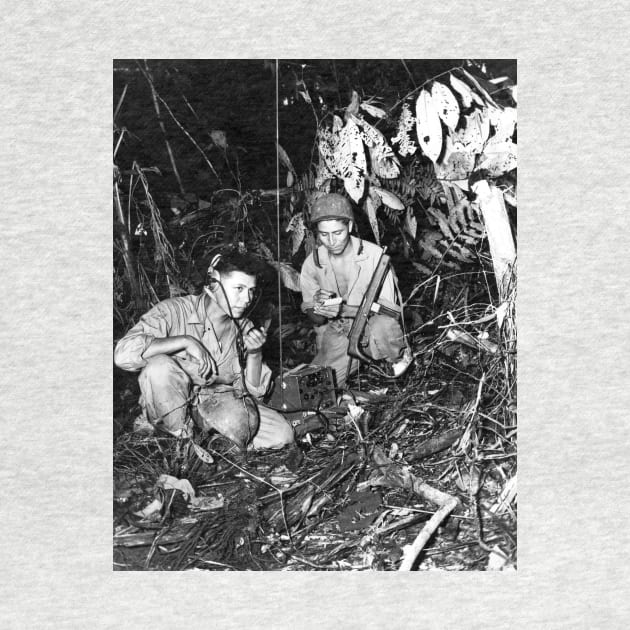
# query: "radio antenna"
[[278, 220]]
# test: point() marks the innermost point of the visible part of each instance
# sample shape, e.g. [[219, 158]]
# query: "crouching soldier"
[[342, 266], [200, 352]]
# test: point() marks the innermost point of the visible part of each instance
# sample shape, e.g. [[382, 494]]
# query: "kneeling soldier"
[[187, 351], [343, 265]]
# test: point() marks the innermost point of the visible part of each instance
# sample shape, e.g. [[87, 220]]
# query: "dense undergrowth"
[[451, 422]]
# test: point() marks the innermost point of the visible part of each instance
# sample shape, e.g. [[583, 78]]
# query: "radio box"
[[304, 388]]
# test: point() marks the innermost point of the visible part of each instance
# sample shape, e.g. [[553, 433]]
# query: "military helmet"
[[233, 416], [331, 206]]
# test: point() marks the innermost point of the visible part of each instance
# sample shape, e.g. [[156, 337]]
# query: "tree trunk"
[[492, 208]]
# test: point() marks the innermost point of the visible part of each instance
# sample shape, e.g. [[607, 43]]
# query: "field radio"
[[299, 393]]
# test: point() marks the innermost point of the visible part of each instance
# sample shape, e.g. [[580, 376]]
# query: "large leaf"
[[288, 275], [478, 99], [385, 167], [284, 158], [303, 91], [265, 251], [297, 228], [428, 126], [462, 89], [479, 89], [384, 163], [323, 178], [498, 158], [503, 121], [377, 112], [337, 126], [446, 104], [327, 152], [350, 158], [458, 163], [473, 136], [353, 106], [371, 204], [389, 199], [468, 89]]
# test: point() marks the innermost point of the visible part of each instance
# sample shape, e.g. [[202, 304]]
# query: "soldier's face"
[[334, 235], [240, 289]]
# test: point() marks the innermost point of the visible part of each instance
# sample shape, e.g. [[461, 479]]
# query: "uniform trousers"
[[167, 390]]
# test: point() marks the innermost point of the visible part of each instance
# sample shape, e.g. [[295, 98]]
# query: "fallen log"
[[392, 475], [447, 505]]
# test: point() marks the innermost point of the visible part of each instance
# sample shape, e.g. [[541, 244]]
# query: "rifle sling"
[[361, 318]]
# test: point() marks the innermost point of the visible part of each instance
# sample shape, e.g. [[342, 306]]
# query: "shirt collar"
[[198, 314], [324, 258]]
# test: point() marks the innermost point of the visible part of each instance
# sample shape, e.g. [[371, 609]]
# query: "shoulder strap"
[[316, 257]]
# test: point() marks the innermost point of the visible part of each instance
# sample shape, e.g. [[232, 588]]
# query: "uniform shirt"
[[187, 315], [363, 265]]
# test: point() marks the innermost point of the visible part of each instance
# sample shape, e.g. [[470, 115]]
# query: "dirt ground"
[[347, 497]]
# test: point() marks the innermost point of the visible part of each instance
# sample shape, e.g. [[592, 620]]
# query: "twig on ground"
[[448, 504]]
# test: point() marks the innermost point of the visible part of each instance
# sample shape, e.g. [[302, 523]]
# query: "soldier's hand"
[[198, 353], [321, 295], [254, 339], [330, 311]]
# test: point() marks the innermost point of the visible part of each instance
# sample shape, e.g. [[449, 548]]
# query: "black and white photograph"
[[291, 333], [314, 314]]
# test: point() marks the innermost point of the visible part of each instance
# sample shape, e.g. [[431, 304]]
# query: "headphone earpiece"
[[212, 281], [213, 263]]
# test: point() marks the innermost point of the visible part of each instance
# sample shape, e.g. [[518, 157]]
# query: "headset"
[[211, 279], [214, 284]]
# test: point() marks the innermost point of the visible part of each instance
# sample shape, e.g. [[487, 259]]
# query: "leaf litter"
[[350, 497]]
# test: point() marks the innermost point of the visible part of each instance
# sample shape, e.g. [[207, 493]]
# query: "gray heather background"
[[56, 411]]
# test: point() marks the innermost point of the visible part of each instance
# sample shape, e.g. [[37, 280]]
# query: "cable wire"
[[240, 348]]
